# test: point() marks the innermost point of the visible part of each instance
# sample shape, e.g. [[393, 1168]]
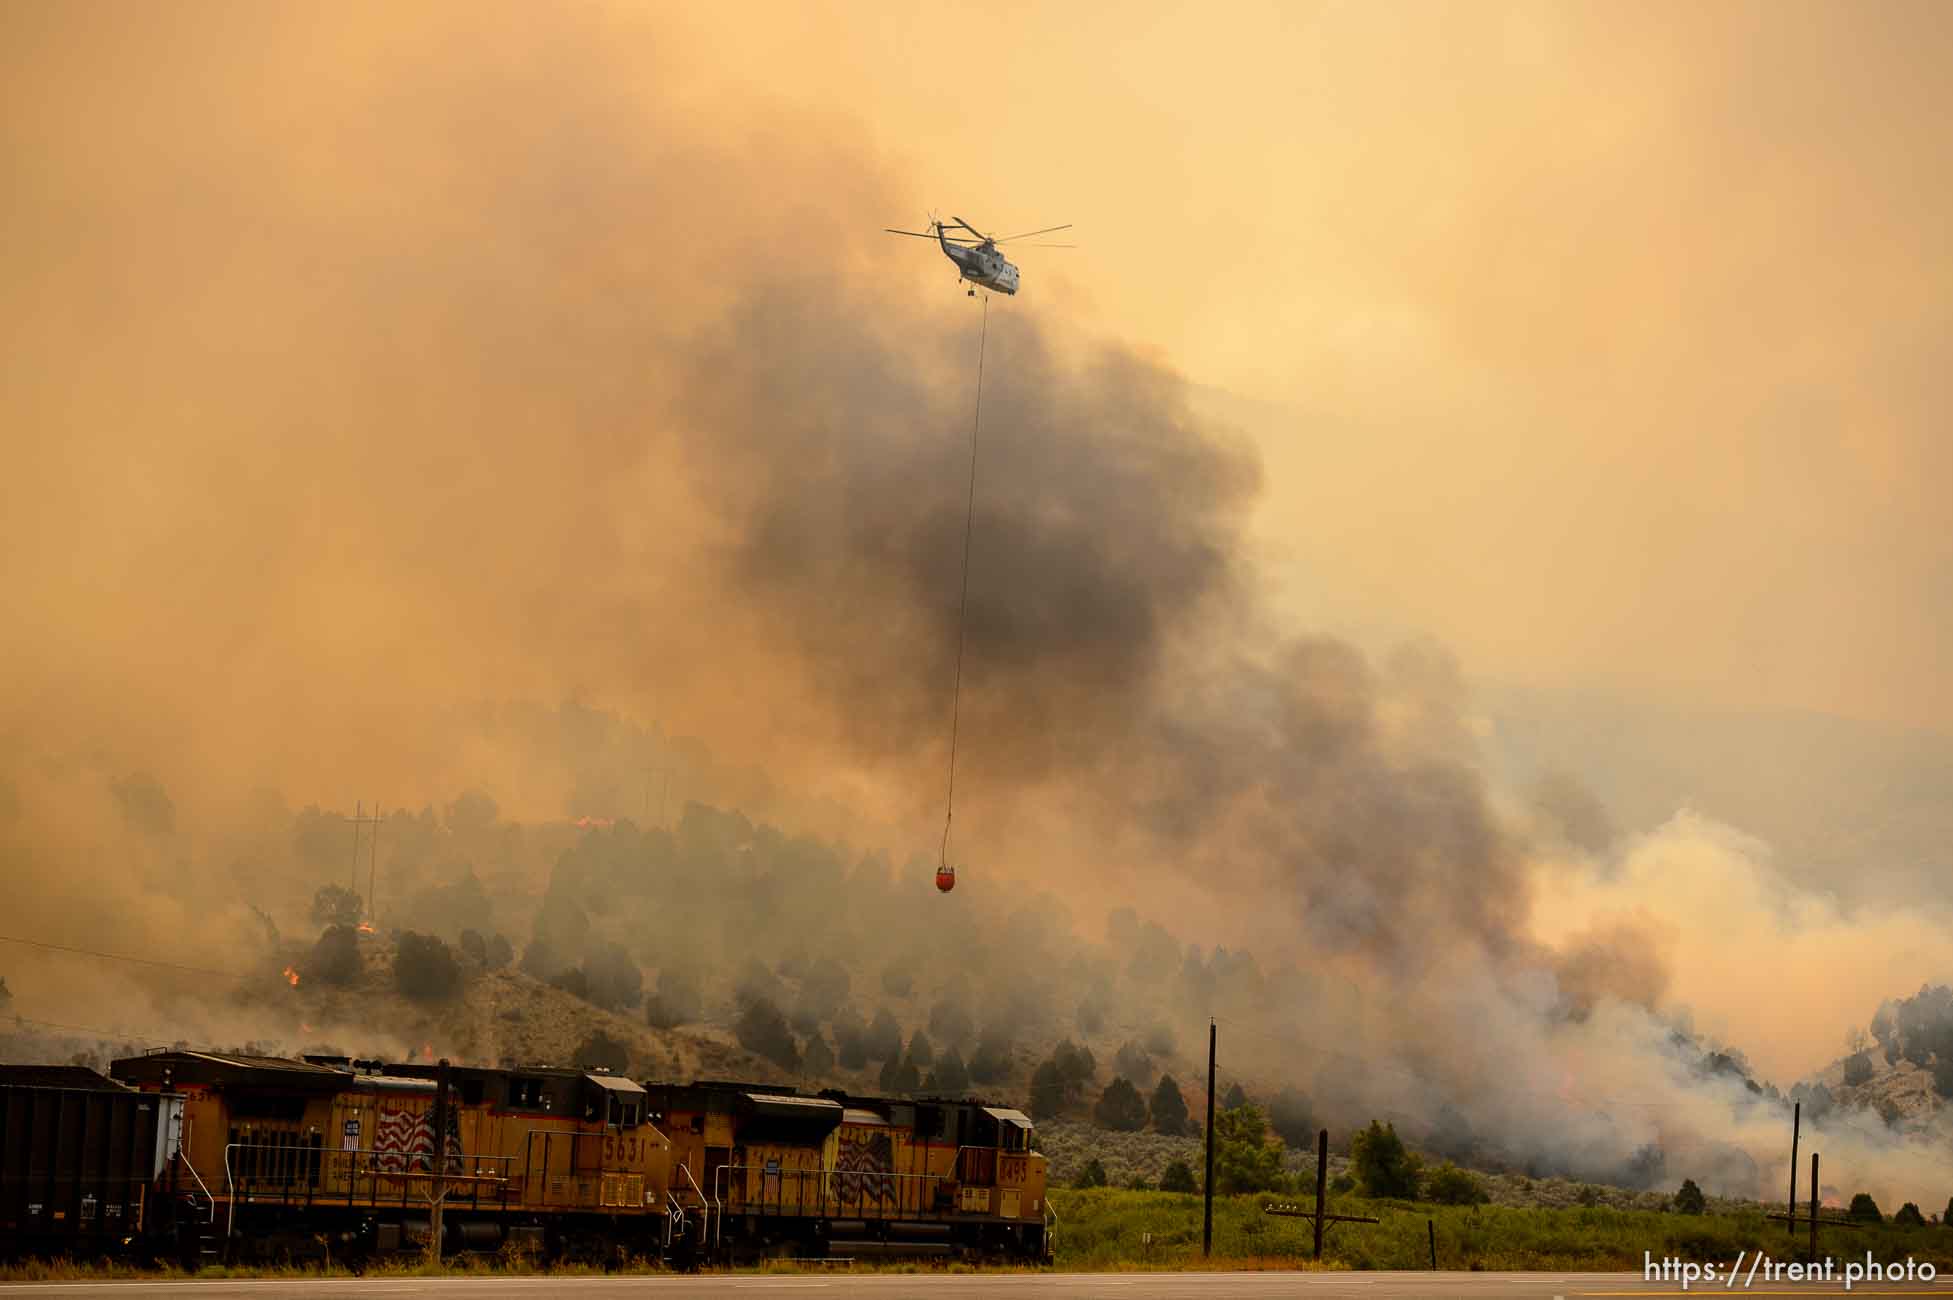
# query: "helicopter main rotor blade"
[[972, 229], [1027, 234], [926, 234]]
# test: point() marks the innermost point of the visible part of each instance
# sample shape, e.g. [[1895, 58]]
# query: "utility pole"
[[1321, 1213], [1814, 1220], [373, 870], [1796, 1121], [1207, 1223], [359, 819]]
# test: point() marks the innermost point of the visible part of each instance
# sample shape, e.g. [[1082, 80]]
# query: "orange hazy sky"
[[1602, 341]]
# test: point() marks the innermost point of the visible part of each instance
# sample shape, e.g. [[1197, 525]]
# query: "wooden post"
[[1796, 1120], [1432, 1225], [1813, 1207], [1207, 1223], [1322, 1183]]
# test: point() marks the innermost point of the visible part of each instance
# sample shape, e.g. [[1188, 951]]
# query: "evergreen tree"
[[1382, 1164], [949, 1021], [1235, 1098], [1047, 1091], [1865, 1209], [1075, 1067], [920, 1049], [1134, 1061], [884, 1038], [899, 1078], [1169, 1109], [763, 1030], [952, 1077], [1690, 1199], [817, 1062], [1909, 1217], [990, 1063], [1091, 1175], [1120, 1107]]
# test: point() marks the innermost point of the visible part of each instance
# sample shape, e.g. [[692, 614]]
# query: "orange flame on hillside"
[[427, 1051], [291, 976], [366, 927]]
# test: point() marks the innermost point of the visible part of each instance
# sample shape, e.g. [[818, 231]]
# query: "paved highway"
[[959, 1286]]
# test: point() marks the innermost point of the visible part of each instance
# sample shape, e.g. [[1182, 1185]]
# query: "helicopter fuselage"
[[982, 265]]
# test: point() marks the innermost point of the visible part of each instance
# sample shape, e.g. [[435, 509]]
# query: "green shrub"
[[1179, 1177], [1244, 1159], [1091, 1175], [1450, 1185]]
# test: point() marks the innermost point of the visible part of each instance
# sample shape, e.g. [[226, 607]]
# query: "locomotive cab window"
[[527, 1094], [624, 1113]]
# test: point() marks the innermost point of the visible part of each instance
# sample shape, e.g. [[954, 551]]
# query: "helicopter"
[[975, 254]]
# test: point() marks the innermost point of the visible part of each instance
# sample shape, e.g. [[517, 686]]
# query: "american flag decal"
[[403, 1141]]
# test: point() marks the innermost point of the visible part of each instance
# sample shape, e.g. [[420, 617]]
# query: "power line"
[[98, 1032], [117, 956]]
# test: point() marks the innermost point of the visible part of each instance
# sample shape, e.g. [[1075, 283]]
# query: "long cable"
[[116, 956], [962, 609]]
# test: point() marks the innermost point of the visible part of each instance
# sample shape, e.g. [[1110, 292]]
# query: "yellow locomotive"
[[768, 1170], [281, 1156], [273, 1157]]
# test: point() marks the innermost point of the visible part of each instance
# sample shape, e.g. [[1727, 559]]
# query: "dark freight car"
[[79, 1158]]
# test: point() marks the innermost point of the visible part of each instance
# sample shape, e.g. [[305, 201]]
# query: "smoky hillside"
[[720, 945]]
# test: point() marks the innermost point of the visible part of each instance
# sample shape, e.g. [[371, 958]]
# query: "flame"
[[304, 1028], [366, 927], [291, 976], [593, 821], [427, 1051]]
